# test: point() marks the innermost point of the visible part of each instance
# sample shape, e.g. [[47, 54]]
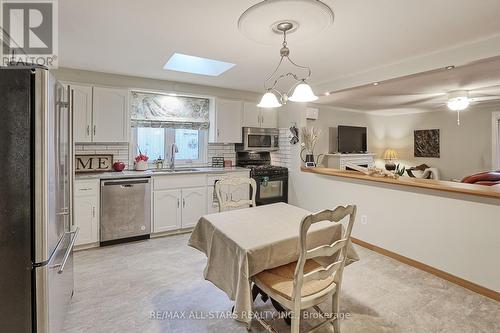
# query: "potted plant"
[[141, 162]]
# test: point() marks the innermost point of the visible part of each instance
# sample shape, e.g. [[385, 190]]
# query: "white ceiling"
[[138, 37], [423, 92]]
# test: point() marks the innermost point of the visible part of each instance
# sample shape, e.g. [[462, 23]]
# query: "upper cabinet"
[[110, 115], [253, 116], [99, 114], [225, 123], [82, 113]]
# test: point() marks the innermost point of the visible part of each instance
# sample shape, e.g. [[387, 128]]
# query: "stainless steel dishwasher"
[[125, 210]]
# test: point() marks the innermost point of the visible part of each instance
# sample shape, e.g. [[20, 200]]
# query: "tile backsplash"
[[221, 150], [283, 155], [118, 150]]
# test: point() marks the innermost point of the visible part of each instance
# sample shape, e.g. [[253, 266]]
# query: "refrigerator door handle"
[[68, 251]]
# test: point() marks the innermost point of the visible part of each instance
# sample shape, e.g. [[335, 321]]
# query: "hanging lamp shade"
[[269, 100], [303, 93]]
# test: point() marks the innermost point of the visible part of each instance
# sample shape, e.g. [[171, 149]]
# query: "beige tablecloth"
[[242, 243]]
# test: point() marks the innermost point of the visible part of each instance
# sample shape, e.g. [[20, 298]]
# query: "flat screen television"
[[351, 139]]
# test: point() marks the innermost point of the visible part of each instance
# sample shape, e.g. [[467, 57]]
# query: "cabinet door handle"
[[95, 129], [218, 133], [183, 202], [93, 211], [178, 203], [88, 130]]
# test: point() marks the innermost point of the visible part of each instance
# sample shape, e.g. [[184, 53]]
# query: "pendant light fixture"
[[302, 92], [268, 19]]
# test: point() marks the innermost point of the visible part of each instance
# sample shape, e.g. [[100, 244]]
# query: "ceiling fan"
[[456, 100]]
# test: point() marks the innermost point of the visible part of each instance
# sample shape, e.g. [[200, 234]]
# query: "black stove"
[[268, 170], [272, 180]]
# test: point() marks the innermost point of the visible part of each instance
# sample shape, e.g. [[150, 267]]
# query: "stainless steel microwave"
[[259, 139]]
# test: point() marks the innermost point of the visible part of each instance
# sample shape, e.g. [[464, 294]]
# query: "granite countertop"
[[153, 172]]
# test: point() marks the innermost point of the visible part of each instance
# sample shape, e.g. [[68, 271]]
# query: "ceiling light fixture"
[[268, 19], [458, 101], [302, 92]]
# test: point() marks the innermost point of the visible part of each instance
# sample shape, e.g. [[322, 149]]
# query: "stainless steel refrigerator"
[[36, 236]]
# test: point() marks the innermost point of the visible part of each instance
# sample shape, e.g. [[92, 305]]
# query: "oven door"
[[271, 189], [260, 139]]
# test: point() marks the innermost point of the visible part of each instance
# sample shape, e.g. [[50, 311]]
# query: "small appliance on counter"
[[272, 181], [217, 162]]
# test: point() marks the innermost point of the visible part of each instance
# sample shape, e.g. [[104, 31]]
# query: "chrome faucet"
[[173, 149]]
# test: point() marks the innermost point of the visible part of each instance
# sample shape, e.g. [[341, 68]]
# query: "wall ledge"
[[439, 185]]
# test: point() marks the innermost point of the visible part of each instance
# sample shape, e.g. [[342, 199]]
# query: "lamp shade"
[[390, 154], [303, 93], [269, 100]]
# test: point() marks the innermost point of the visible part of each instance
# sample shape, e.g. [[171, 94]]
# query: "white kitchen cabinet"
[[194, 205], [269, 118], [253, 116], [82, 113], [226, 123], [86, 211], [167, 211], [110, 115]]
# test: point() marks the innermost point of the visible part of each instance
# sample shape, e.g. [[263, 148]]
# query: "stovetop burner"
[[259, 164]]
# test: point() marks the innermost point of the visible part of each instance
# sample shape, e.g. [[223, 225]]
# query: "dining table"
[[242, 243]]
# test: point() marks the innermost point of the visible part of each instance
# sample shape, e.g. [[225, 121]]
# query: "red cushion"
[[484, 178]]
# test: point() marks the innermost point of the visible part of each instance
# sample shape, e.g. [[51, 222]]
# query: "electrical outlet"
[[364, 219]]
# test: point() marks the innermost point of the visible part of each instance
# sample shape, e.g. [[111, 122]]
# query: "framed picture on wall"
[[426, 143]]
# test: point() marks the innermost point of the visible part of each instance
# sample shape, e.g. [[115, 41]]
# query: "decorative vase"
[[309, 158], [141, 166], [390, 166]]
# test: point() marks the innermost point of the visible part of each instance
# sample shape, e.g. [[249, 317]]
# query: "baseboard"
[[171, 233], [429, 269]]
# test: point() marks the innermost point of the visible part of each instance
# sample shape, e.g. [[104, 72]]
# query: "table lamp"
[[390, 155]]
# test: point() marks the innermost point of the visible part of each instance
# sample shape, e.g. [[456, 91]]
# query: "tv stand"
[[339, 161]]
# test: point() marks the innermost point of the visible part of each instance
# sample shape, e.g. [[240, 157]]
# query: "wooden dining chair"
[[224, 190], [305, 283]]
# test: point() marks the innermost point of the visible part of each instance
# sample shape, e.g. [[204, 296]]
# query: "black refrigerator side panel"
[[16, 200]]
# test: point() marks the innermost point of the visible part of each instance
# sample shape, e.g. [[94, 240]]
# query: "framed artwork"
[[426, 143]]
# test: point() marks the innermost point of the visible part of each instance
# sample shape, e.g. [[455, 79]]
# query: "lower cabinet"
[[167, 210], [178, 208], [86, 211], [194, 205]]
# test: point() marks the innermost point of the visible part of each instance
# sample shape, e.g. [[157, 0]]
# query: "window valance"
[[162, 110]]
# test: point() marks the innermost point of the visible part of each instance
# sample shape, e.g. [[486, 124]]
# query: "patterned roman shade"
[[162, 110]]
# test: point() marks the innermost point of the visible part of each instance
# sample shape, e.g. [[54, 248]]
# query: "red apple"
[[118, 166]]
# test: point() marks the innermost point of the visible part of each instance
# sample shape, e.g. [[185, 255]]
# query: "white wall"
[[115, 80], [455, 233], [465, 149]]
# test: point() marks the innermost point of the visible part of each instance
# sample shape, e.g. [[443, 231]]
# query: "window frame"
[[169, 139]]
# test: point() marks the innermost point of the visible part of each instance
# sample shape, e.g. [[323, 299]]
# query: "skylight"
[[196, 65]]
